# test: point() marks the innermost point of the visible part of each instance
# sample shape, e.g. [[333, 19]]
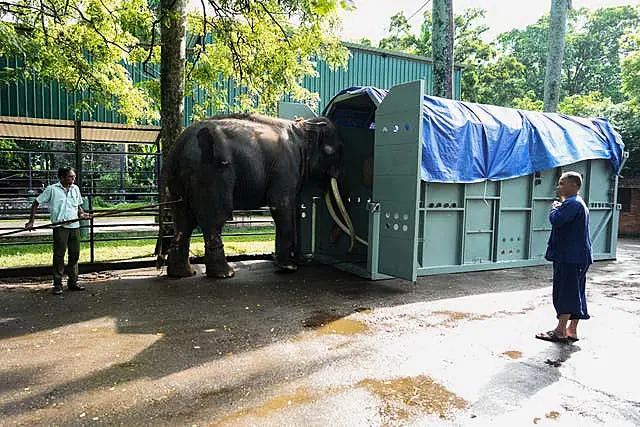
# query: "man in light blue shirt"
[[65, 204]]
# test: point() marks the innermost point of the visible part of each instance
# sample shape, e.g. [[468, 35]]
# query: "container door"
[[396, 178], [294, 110]]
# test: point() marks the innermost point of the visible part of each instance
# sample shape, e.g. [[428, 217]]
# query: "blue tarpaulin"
[[466, 142]]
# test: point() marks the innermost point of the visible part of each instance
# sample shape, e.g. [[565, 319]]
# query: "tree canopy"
[[266, 47], [600, 72]]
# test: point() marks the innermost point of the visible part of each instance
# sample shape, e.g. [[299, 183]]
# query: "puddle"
[[455, 316], [342, 327], [301, 396], [553, 415], [403, 398], [320, 318], [513, 354]]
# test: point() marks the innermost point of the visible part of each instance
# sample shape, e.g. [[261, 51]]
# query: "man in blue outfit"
[[65, 204], [569, 248]]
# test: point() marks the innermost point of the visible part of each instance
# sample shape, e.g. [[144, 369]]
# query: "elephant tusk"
[[336, 219], [343, 211]]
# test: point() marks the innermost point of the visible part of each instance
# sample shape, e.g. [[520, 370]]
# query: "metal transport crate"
[[416, 227]]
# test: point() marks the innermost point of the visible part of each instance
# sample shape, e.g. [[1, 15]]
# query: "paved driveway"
[[319, 347]]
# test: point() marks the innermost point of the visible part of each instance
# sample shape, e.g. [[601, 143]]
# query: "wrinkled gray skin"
[[244, 162]]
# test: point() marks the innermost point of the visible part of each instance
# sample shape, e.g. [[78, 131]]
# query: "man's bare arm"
[[32, 215], [82, 214]]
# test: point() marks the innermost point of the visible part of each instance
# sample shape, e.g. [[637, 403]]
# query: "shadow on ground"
[[218, 317]]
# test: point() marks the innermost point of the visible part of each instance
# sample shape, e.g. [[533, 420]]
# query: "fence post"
[[77, 136], [91, 235]]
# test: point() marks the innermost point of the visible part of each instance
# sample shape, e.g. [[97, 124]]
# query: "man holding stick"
[[65, 204]]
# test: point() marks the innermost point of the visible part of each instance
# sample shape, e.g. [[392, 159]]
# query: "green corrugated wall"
[[366, 67]]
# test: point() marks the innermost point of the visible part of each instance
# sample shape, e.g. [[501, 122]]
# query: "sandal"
[[551, 336]]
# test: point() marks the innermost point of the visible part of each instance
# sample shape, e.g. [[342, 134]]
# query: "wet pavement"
[[320, 347]]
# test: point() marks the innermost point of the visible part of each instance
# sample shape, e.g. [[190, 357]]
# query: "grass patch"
[[119, 206], [41, 253]]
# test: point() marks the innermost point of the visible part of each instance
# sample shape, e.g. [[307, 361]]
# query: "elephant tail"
[[170, 173]]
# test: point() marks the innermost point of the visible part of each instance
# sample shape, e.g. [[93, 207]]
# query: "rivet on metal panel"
[[405, 217], [396, 227], [396, 128], [405, 227], [407, 127], [303, 214], [396, 215]]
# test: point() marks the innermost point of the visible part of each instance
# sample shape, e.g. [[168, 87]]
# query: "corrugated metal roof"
[[50, 129]]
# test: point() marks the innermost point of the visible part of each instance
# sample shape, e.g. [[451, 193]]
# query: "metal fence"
[[117, 166]]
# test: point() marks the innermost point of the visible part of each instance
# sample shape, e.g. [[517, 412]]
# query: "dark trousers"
[[569, 296], [65, 239]]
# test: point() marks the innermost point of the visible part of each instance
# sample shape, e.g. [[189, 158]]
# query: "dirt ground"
[[138, 348]]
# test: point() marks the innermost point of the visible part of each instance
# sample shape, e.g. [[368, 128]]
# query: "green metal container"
[[415, 228]]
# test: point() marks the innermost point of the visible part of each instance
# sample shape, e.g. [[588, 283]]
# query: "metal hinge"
[[373, 207]]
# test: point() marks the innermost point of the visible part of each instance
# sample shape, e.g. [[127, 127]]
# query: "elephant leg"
[[214, 206], [284, 217], [215, 260], [178, 256]]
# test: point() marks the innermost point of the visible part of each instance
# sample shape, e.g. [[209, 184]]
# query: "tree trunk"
[[442, 45], [172, 68], [555, 55]]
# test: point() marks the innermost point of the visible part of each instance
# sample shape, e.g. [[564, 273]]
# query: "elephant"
[[246, 161]]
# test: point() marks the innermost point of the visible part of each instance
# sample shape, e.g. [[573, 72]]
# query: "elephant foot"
[[217, 266], [179, 271], [178, 265], [288, 266], [221, 274]]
